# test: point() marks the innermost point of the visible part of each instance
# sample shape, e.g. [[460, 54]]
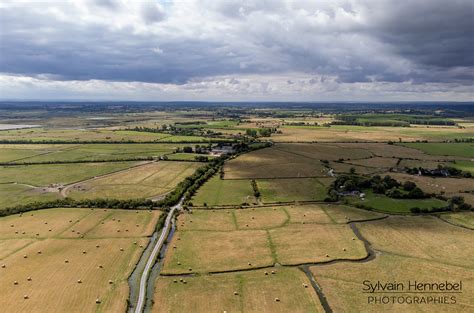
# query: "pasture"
[[343, 288], [464, 149], [273, 163], [465, 219], [291, 189], [390, 205], [255, 292], [153, 179], [58, 273], [17, 194], [217, 192]]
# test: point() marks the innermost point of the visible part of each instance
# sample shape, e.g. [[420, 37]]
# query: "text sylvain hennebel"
[[411, 286]]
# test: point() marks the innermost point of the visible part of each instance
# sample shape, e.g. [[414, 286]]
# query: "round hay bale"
[[39, 251], [100, 266], [12, 225], [175, 281], [79, 281], [236, 293], [134, 242], [97, 300], [110, 281], [3, 266], [179, 263], [84, 252], [15, 283], [97, 246], [277, 299], [25, 256], [190, 269], [29, 278], [121, 249], [137, 225], [327, 255], [353, 238], [25, 297], [66, 261], [273, 272], [343, 249]]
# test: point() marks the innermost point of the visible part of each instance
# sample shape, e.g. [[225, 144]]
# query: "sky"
[[237, 50]]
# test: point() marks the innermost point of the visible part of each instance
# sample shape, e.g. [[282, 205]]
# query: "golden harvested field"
[[342, 283], [465, 219], [310, 213], [390, 151], [438, 184], [216, 220], [55, 262], [261, 218], [141, 182], [205, 251], [309, 243], [343, 214], [273, 163], [291, 189], [422, 237], [256, 292]]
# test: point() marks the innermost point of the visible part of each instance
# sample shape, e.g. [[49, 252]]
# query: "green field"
[[452, 149], [93, 152], [187, 156], [216, 192], [467, 166], [47, 174], [465, 219], [389, 205], [288, 190], [14, 194]]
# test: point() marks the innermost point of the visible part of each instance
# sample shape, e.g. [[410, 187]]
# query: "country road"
[[151, 260]]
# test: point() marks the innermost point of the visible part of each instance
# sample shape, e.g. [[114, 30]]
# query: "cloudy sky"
[[301, 50]]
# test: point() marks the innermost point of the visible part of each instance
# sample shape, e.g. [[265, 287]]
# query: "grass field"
[[273, 163], [42, 134], [54, 285], [465, 219], [343, 288], [291, 189], [47, 174], [145, 181], [467, 166], [420, 237], [187, 156], [390, 205], [362, 133], [87, 152], [14, 194], [216, 192], [452, 149], [377, 162], [256, 292]]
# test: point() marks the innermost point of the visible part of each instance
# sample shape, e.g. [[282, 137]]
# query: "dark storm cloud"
[[393, 41]]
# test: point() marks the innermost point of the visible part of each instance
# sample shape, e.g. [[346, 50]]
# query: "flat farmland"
[[345, 214], [152, 179], [216, 192], [463, 149], [93, 152], [342, 285], [465, 219], [341, 167], [18, 152], [261, 218], [216, 220], [378, 162], [467, 166], [206, 251], [16, 194], [309, 243], [438, 184], [62, 174], [272, 163], [325, 151], [420, 237], [59, 274], [291, 189], [362, 133], [391, 205], [256, 292]]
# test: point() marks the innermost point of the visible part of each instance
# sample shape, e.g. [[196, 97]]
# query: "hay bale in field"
[[66, 261], [79, 281], [179, 263], [97, 300], [110, 281], [100, 266], [190, 269], [305, 285], [84, 252], [25, 297], [15, 283], [236, 293], [134, 242], [273, 272], [12, 225], [39, 251], [121, 249], [137, 225], [175, 281], [25, 256], [266, 273], [29, 278], [97, 246], [343, 249], [3, 266], [277, 299], [249, 263], [327, 255]]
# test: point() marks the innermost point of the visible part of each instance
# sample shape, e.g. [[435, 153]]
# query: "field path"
[[151, 259], [66, 188]]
